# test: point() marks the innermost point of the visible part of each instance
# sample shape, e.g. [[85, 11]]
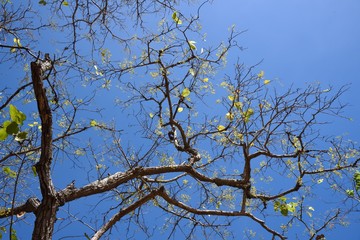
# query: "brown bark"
[[46, 212]]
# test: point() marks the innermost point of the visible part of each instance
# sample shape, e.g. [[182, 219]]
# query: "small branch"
[[126, 211], [181, 205]]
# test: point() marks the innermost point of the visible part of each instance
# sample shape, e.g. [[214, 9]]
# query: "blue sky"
[[298, 42]]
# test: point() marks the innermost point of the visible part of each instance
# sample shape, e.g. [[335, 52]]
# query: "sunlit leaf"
[[17, 42], [180, 109], [350, 193], [292, 206], [151, 115], [185, 92], [65, 3], [205, 79], [238, 105], [154, 74], [220, 128], [357, 180], [192, 71], [9, 172], [3, 134], [231, 98], [320, 180], [97, 72], [261, 74], [247, 114], [266, 82], [176, 18], [21, 136], [33, 124], [192, 45], [93, 123], [33, 168], [16, 115], [229, 116]]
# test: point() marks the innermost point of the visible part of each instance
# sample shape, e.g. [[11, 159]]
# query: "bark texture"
[[46, 212]]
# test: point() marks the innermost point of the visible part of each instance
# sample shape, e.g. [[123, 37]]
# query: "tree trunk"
[[46, 213]]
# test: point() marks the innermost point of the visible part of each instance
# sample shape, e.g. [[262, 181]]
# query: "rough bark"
[[46, 212]]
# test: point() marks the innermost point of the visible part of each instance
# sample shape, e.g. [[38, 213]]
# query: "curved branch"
[[126, 211]]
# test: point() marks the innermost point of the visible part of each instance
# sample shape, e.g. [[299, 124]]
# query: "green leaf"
[[16, 115], [42, 2], [13, 235], [33, 168], [9, 172], [350, 193], [12, 128], [21, 136], [185, 92], [65, 3], [3, 134], [247, 114], [176, 18], [284, 210], [357, 180], [292, 206]]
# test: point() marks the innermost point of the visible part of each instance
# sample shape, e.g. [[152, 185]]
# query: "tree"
[[118, 118]]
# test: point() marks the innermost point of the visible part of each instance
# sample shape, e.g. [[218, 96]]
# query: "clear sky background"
[[299, 42]]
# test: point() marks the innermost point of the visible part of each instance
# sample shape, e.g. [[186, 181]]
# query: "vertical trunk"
[[46, 213]]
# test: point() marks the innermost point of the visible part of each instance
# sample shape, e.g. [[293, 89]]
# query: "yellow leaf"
[[151, 115], [192, 45], [238, 105], [176, 18], [266, 81], [154, 74], [239, 136], [229, 116], [17, 42], [261, 74], [192, 71], [180, 109], [231, 98], [93, 123], [205, 79], [223, 84], [221, 128], [185, 92]]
